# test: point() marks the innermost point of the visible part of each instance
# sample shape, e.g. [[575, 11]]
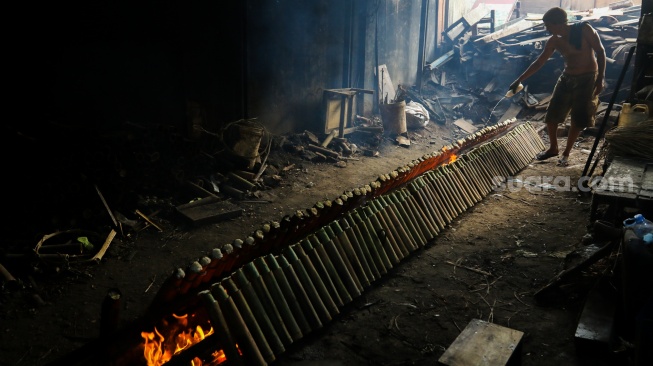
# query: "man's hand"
[[514, 86], [598, 86]]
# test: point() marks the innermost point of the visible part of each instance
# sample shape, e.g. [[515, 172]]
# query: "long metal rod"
[[607, 112]]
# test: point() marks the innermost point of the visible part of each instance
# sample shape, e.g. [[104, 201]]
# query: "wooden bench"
[[483, 343]]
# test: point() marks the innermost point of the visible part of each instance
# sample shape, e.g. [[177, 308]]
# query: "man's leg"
[[552, 131], [574, 131]]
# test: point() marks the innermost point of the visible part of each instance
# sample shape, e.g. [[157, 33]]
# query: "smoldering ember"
[[325, 183]]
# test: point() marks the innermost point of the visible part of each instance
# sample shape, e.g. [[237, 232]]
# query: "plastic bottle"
[[642, 227]]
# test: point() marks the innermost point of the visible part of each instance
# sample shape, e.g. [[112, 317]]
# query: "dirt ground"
[[486, 265]]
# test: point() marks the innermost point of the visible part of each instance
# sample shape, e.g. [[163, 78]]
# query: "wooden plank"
[[647, 181], [483, 343], [595, 326], [211, 212], [625, 175], [512, 112], [509, 30], [465, 126], [386, 88]]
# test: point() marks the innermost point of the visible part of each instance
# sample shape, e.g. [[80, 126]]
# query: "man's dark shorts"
[[573, 93]]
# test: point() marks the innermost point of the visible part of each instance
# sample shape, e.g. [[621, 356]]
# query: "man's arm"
[[596, 45], [549, 49]]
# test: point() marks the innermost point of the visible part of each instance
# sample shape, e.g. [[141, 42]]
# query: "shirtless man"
[[580, 83]]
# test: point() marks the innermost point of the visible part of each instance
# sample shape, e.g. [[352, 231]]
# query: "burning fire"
[[452, 158], [158, 349]]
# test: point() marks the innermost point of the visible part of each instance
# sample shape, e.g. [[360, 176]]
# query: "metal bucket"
[[393, 116], [247, 142]]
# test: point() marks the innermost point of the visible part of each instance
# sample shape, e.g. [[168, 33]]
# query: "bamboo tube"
[[204, 263], [460, 187], [170, 288], [460, 184], [405, 219], [448, 212], [320, 269], [515, 148], [409, 226], [214, 266], [380, 235], [412, 196], [409, 242], [390, 230], [475, 160], [269, 305], [110, 314], [352, 255], [340, 247], [361, 251], [321, 288], [242, 307], [466, 179], [222, 332], [512, 146], [505, 161], [493, 164], [470, 164], [487, 165], [384, 181], [251, 353], [434, 210], [235, 257], [398, 199], [533, 140], [434, 187], [373, 258], [228, 253], [314, 219], [258, 310], [451, 191], [278, 299], [371, 238], [518, 145], [426, 203], [192, 273], [290, 260], [499, 165], [506, 157], [432, 195], [249, 250], [330, 248], [259, 238], [294, 293], [272, 237], [308, 299], [483, 175], [313, 245]]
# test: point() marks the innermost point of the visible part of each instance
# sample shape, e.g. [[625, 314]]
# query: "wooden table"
[[627, 184]]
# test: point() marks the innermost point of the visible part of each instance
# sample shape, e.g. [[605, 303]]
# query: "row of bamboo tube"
[[277, 291]]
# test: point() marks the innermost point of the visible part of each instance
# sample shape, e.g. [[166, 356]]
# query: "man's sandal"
[[563, 161], [545, 155]]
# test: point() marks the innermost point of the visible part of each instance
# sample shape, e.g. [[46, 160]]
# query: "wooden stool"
[[483, 343]]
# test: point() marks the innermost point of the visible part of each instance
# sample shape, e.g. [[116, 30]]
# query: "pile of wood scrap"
[[498, 58]]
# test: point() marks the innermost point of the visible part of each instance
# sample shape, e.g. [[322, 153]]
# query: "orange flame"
[[158, 350], [452, 158]]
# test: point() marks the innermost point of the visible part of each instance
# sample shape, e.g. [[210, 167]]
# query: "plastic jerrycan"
[[642, 227], [632, 115]]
